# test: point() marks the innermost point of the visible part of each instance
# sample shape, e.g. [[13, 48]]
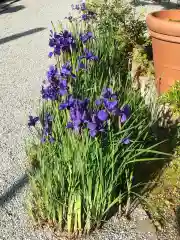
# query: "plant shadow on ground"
[[166, 131], [12, 190], [22, 34], [148, 173], [178, 217], [9, 7]]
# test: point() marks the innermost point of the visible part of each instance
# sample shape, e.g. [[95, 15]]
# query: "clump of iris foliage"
[[92, 130]]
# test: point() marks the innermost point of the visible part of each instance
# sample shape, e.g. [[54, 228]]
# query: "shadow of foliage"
[[8, 7], [178, 218], [166, 130], [11, 191], [19, 35]]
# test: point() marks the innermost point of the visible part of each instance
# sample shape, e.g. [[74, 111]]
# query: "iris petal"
[[125, 141], [123, 117], [102, 115], [91, 126]]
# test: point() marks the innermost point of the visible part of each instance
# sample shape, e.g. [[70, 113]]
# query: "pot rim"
[[159, 24]]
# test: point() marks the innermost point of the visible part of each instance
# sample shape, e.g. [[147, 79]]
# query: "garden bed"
[[94, 128]]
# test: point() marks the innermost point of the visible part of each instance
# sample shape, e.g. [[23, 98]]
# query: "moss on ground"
[[165, 197]]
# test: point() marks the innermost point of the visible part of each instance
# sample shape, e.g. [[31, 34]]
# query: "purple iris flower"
[[47, 129], [56, 86], [110, 100], [83, 6], [102, 115], [85, 17], [127, 110], [43, 140], [63, 87], [50, 54], [110, 105], [86, 36], [32, 121], [49, 93], [70, 101], [89, 55], [125, 113], [47, 119], [84, 103], [63, 41], [70, 125], [123, 117], [108, 93], [47, 124], [63, 106], [95, 128], [75, 7], [79, 113], [66, 70], [92, 126], [96, 123], [93, 133], [51, 139], [78, 110], [125, 141], [52, 73], [81, 65], [98, 102]]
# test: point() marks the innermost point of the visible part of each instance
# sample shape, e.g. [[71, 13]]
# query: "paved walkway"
[[23, 64], [147, 6]]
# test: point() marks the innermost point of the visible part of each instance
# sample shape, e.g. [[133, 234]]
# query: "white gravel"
[[23, 63]]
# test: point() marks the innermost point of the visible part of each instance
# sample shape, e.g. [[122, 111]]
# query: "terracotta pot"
[[164, 29]]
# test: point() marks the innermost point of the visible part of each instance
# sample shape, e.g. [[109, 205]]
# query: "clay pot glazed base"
[[164, 28]]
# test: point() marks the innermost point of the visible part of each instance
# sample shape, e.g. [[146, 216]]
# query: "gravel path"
[[23, 61]]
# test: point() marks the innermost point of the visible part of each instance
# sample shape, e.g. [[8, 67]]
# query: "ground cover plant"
[[164, 198], [91, 131]]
